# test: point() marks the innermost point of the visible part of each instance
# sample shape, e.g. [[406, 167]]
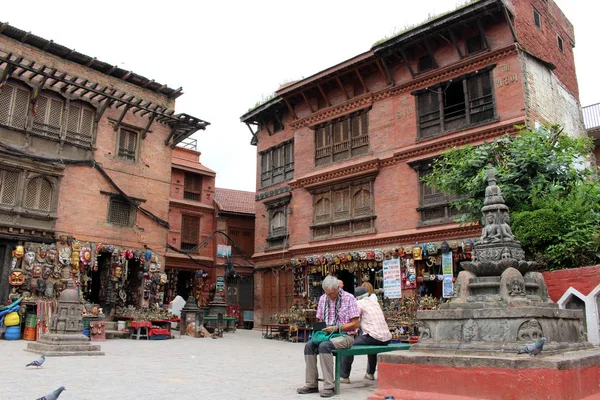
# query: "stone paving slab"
[[242, 365]]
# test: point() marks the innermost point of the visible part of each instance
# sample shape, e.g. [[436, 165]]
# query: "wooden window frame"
[[78, 137], [342, 138], [15, 191], [336, 211], [278, 236], [190, 239], [560, 43], [537, 19], [432, 201], [190, 191], [11, 114], [121, 153], [39, 180], [277, 164], [112, 202], [432, 120], [41, 124]]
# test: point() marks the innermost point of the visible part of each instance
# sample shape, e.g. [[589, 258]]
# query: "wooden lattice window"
[[277, 164], [80, 124], [434, 206], [192, 186], [14, 104], [455, 104], [128, 143], [278, 228], [9, 181], [351, 210], [48, 115], [342, 138], [190, 232], [120, 212], [38, 194]]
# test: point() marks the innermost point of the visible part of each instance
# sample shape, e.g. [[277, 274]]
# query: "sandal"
[[307, 390]]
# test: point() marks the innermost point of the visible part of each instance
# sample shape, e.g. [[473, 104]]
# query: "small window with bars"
[[192, 186], [128, 143], [560, 44], [537, 19], [120, 212], [38, 194], [80, 124], [14, 104], [48, 116], [190, 232], [8, 187]]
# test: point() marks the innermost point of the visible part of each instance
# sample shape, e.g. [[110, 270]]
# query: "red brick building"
[[340, 153], [85, 171], [191, 220]]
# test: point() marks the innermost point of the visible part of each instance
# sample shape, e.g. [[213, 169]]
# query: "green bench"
[[361, 351]]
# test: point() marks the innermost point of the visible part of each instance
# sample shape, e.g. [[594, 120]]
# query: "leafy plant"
[[545, 184]]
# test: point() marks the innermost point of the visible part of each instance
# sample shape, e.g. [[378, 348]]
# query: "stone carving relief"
[[516, 287], [470, 331], [530, 330], [424, 331]]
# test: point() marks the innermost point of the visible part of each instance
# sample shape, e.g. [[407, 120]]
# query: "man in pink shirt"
[[375, 331], [338, 309]]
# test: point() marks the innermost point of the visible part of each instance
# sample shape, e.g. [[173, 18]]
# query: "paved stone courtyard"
[[242, 365]]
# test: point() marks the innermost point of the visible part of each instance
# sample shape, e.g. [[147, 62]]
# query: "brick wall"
[[584, 279]]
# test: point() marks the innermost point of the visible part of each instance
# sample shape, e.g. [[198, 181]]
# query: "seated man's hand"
[[330, 329]]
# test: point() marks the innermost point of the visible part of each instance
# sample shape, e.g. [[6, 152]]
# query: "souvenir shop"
[[108, 278], [424, 277]]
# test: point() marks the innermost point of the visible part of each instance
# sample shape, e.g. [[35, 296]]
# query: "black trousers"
[[372, 358]]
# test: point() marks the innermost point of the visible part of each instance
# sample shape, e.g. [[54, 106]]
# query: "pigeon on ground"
[[38, 363], [534, 349], [54, 395]]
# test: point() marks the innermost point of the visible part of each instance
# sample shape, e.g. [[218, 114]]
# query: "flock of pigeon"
[[532, 349]]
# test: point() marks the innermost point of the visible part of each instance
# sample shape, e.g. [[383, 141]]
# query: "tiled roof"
[[237, 201]]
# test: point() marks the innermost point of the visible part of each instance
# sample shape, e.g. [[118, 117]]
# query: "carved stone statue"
[[491, 231], [505, 231]]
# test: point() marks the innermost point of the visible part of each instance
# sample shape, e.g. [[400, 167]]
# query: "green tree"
[[543, 178]]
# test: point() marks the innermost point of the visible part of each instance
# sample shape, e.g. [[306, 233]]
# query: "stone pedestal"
[[427, 376], [217, 306], [65, 337]]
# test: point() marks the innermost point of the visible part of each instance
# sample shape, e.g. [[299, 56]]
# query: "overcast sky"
[[227, 55]]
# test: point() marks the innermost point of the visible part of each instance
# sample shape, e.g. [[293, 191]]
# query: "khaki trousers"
[[324, 351]]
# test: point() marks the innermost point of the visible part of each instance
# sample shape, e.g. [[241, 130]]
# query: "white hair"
[[330, 282]]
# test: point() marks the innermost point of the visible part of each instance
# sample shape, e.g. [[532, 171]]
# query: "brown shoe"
[[307, 390], [327, 392]]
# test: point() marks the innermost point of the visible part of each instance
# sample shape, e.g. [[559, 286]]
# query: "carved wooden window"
[[343, 210], [475, 44], [38, 194], [243, 238], [434, 206], [120, 212], [128, 144], [190, 232], [48, 115], [9, 181], [192, 186], [342, 138], [456, 104], [80, 124], [277, 164], [278, 228], [14, 105]]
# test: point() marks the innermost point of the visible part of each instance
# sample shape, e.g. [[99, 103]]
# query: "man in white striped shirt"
[[375, 332]]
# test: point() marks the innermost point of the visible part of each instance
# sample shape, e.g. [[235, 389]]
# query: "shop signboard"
[[223, 250], [447, 285], [392, 279]]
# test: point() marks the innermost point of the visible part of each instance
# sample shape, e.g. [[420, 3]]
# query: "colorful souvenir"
[[58, 288], [293, 262], [64, 255], [349, 257], [336, 260], [310, 260], [468, 246], [445, 247], [148, 254], [99, 247], [41, 253], [28, 260], [432, 248], [378, 254], [75, 258], [163, 279], [370, 255], [51, 254], [16, 277], [49, 289], [417, 252], [129, 254], [424, 250], [56, 271], [137, 255], [387, 254], [41, 287], [18, 252], [85, 255], [303, 261], [329, 258], [46, 271], [36, 271], [317, 260], [401, 252], [363, 255], [153, 267], [118, 271], [76, 245]]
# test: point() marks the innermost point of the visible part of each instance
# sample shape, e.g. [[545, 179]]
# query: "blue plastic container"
[[12, 333], [86, 332]]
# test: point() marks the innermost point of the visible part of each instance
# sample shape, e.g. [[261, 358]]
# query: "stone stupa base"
[[424, 375], [54, 345]]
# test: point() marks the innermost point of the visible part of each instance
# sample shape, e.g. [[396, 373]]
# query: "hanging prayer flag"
[[6, 74]]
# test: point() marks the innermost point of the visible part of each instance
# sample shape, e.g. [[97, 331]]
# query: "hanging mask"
[[153, 267], [41, 287], [58, 288], [163, 279], [432, 248], [18, 252], [64, 255], [85, 256], [51, 254], [417, 253], [129, 254], [16, 277], [137, 255], [424, 249], [148, 254], [378, 255], [76, 246], [28, 260], [41, 254], [57, 271], [46, 271], [99, 247], [36, 271], [445, 247], [118, 271], [75, 257], [49, 289]]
